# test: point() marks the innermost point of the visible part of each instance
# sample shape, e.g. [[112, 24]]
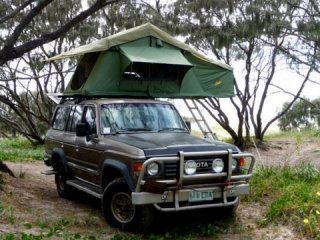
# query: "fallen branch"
[[4, 168]]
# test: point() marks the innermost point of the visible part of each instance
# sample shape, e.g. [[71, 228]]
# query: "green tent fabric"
[[153, 64], [146, 54]]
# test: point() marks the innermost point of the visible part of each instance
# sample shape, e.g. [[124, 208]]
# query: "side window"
[[60, 118], [75, 118], [90, 118]]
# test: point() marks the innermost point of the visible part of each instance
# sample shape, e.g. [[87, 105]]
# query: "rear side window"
[[61, 117], [75, 118]]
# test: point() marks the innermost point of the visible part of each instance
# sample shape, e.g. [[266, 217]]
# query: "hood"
[[156, 144]]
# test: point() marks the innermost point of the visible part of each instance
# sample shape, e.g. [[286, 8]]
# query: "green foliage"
[[24, 236], [293, 193], [19, 149], [6, 213], [182, 232], [303, 114], [55, 231]]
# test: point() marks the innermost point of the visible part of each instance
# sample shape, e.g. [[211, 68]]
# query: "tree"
[[259, 34], [303, 114], [22, 15], [315, 111], [129, 14], [25, 80]]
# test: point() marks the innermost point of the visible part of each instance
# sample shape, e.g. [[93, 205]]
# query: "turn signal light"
[[137, 166], [241, 162]]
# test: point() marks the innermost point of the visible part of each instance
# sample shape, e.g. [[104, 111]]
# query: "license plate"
[[197, 196]]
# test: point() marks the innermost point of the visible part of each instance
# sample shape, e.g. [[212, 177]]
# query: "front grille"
[[203, 166], [171, 169]]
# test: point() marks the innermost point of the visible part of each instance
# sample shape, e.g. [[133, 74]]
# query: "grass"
[[7, 213], [60, 230], [294, 134], [292, 194], [298, 136], [188, 231], [19, 149], [57, 230]]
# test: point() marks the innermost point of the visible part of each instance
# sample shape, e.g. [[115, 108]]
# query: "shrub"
[[294, 195], [18, 149]]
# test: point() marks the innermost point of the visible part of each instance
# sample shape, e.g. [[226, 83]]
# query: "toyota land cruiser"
[[137, 155]]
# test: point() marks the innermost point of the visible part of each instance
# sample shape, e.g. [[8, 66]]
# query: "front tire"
[[120, 212]]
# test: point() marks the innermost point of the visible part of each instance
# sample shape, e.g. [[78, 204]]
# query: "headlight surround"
[[234, 164], [217, 165], [190, 167], [153, 169]]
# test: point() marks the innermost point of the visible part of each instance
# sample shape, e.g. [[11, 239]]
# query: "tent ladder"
[[199, 119]]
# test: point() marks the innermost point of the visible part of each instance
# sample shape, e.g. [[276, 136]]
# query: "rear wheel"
[[61, 182], [120, 212]]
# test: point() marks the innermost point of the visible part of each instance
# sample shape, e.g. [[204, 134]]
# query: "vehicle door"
[[69, 147], [54, 136], [89, 156]]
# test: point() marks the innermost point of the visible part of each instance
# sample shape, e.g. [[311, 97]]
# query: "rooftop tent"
[[146, 62]]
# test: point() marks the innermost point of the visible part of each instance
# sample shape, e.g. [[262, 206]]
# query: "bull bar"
[[234, 185]]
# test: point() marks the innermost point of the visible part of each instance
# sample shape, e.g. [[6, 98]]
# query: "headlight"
[[153, 169], [217, 165], [190, 167], [234, 164]]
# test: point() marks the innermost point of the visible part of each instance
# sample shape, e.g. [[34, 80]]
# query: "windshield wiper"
[[123, 130], [172, 129]]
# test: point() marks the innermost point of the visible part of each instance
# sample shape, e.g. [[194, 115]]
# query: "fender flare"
[[60, 155], [110, 164]]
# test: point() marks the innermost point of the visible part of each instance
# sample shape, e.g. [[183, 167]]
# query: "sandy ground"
[[33, 206], [289, 153]]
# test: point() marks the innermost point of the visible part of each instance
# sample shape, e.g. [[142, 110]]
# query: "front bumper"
[[224, 193], [182, 196]]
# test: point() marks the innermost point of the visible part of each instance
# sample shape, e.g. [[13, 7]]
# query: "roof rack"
[[60, 98]]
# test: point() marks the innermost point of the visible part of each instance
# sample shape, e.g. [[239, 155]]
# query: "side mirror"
[[82, 129]]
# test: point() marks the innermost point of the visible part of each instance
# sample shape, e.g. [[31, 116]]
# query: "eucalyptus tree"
[[25, 77], [304, 113], [20, 17], [260, 34], [131, 13]]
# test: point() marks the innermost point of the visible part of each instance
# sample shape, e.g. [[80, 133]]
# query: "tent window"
[[155, 72], [83, 70]]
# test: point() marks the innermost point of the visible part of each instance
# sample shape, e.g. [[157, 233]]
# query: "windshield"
[[126, 117]]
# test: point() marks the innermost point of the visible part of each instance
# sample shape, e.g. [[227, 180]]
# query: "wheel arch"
[[58, 158], [113, 169]]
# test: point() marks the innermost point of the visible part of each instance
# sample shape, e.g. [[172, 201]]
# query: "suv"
[[137, 155]]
